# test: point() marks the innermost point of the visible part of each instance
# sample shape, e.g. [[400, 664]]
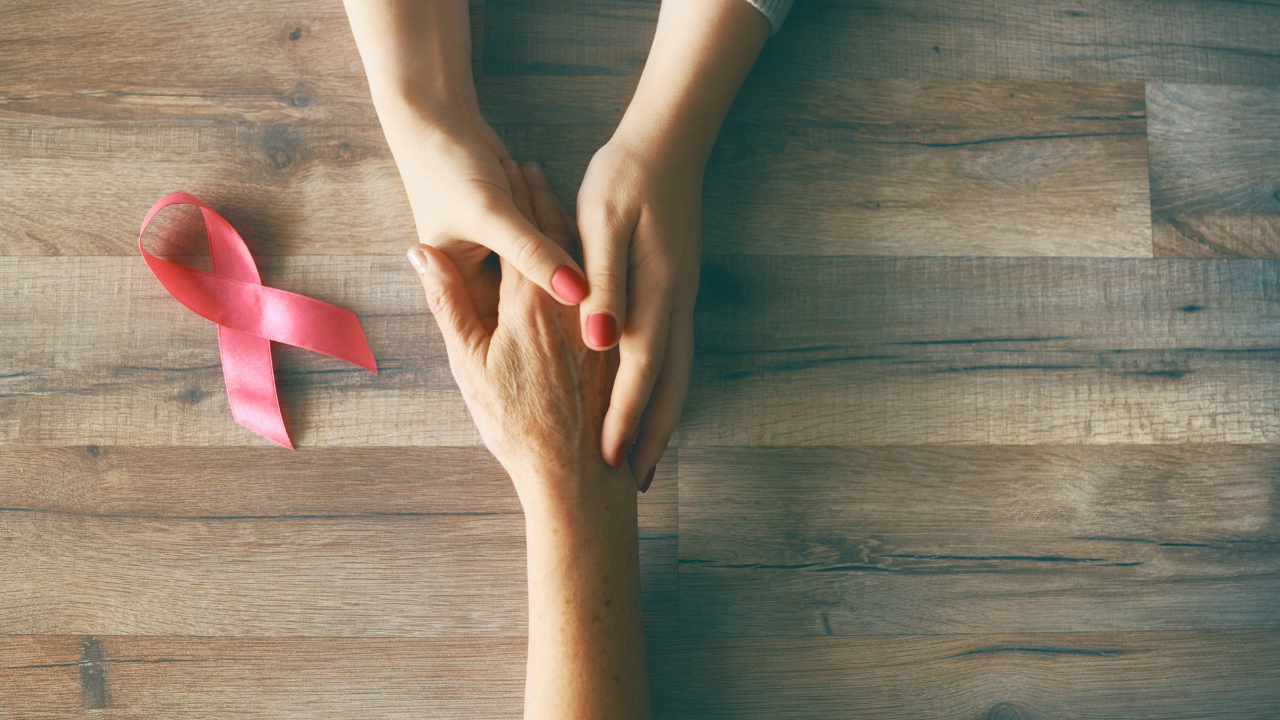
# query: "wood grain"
[[325, 189], [306, 47], [149, 372], [1134, 675], [903, 540], [839, 351], [999, 677], [1215, 170], [901, 168], [791, 351], [359, 542], [817, 167], [1200, 41], [969, 451], [296, 57], [867, 167], [199, 677]]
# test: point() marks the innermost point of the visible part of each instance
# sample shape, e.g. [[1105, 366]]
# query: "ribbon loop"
[[250, 315]]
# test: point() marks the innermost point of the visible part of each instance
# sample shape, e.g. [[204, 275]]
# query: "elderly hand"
[[536, 392], [538, 395]]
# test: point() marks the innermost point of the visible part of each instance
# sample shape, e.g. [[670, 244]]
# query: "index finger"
[[641, 352]]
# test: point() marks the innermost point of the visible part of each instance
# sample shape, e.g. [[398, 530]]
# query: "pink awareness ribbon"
[[250, 315]]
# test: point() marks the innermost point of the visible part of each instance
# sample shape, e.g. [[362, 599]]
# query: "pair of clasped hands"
[[642, 267], [638, 208]]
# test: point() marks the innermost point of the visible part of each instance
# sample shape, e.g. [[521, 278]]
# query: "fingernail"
[[511, 167], [648, 479], [569, 285], [535, 168], [621, 457], [419, 260], [602, 329]]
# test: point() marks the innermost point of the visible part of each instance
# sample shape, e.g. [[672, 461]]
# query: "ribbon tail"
[[251, 387]]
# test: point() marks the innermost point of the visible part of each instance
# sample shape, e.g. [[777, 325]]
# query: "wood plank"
[[172, 677], [1215, 179], [814, 167], [288, 190], [1200, 41], [1134, 675], [791, 351], [293, 51], [847, 351], [295, 56], [999, 677], [350, 542], [900, 540]]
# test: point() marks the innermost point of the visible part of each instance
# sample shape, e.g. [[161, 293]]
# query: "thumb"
[[539, 258], [447, 296]]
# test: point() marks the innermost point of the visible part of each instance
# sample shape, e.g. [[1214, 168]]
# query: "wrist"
[[423, 140], [408, 103], [666, 133], [559, 501], [417, 57]]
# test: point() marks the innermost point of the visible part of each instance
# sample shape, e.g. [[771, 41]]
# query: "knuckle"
[[608, 281], [600, 217], [493, 201], [527, 253], [435, 299], [592, 217], [645, 365], [628, 415]]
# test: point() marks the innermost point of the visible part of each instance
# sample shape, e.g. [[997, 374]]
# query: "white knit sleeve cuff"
[[774, 10]]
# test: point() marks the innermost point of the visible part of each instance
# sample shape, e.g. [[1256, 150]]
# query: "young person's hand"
[[640, 210], [417, 55], [452, 165]]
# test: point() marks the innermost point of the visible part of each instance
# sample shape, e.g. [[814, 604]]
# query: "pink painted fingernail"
[[621, 457], [648, 479], [602, 329], [569, 285]]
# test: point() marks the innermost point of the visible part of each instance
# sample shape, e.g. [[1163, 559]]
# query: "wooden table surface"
[[985, 408]]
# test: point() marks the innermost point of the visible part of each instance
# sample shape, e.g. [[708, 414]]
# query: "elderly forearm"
[[586, 635], [417, 55], [702, 51]]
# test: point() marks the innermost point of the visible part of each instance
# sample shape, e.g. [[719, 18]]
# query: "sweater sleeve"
[[774, 10]]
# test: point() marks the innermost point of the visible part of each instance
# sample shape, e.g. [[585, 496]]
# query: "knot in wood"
[[280, 158], [1006, 711], [299, 96]]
